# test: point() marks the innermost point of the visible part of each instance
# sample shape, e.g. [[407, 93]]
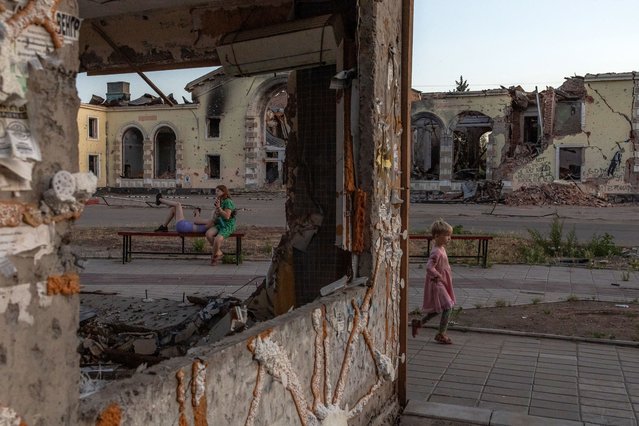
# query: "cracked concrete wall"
[[39, 298], [606, 138]]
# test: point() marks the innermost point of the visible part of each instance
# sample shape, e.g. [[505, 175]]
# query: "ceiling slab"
[[153, 36]]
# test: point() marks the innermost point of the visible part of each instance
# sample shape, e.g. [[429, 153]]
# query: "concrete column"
[[446, 162], [147, 158], [38, 286]]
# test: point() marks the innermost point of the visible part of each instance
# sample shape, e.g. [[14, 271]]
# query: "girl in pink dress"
[[439, 297]]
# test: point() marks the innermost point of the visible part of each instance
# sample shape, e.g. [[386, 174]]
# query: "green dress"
[[225, 227]]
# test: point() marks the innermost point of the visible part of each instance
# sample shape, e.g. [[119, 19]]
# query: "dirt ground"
[[577, 318], [588, 319]]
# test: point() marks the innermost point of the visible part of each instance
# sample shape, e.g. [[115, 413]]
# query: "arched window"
[[132, 154], [427, 136], [165, 153], [470, 143]]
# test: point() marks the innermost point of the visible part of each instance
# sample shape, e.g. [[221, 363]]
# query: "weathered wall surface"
[[606, 138], [38, 291], [295, 369], [93, 146]]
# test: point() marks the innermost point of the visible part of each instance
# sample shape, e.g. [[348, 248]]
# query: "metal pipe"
[[128, 60], [406, 73]]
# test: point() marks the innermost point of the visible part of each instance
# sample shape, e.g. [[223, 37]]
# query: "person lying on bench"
[[198, 225], [224, 223]]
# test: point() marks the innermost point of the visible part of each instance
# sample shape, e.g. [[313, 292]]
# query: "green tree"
[[462, 85]]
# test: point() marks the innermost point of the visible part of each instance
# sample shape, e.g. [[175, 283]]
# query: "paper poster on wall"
[[31, 29], [18, 150]]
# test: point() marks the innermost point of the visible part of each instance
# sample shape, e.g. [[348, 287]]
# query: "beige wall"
[[605, 130], [92, 146]]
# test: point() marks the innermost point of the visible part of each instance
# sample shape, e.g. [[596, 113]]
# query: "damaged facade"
[[582, 133], [234, 132], [335, 359]]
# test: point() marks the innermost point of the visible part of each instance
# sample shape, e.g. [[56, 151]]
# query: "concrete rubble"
[[118, 334]]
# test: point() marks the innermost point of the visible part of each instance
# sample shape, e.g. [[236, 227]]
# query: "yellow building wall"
[[605, 130], [92, 146]]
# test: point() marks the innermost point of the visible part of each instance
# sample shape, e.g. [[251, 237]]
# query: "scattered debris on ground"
[[553, 194], [120, 334]]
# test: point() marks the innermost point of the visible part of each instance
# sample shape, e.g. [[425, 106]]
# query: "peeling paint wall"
[[38, 360]]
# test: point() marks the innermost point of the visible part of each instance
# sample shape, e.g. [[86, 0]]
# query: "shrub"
[[603, 246], [198, 245]]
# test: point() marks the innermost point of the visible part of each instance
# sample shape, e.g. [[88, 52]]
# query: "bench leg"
[[129, 248], [480, 246], [238, 250], [485, 253], [123, 248]]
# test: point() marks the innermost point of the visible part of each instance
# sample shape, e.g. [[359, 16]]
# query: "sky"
[[491, 43]]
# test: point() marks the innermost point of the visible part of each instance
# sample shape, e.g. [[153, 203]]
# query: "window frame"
[[98, 164], [219, 165], [219, 126], [558, 162], [97, 128]]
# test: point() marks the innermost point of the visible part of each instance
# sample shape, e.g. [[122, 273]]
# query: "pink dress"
[[438, 288]]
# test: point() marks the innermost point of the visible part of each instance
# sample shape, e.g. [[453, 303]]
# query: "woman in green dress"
[[224, 223]]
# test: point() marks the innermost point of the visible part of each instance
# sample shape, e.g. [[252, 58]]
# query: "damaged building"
[[582, 133], [233, 132], [335, 352]]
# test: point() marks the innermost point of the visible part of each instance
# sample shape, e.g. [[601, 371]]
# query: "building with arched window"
[[233, 133]]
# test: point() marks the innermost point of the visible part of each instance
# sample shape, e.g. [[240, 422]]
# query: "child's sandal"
[[414, 325], [443, 339]]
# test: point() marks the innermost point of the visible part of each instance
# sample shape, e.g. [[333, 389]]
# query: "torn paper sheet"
[[15, 136], [22, 239], [17, 295]]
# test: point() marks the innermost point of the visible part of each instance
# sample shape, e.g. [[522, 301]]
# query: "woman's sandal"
[[443, 339], [157, 198], [216, 259]]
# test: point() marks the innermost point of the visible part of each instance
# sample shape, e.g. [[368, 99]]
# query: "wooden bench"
[[127, 243], [482, 246]]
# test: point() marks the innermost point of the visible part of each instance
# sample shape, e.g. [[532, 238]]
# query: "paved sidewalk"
[[482, 378]]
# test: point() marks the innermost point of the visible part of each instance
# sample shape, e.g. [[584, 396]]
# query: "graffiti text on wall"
[[538, 171]]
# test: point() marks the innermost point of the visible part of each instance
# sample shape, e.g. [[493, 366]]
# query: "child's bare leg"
[[169, 217], [443, 322], [428, 317]]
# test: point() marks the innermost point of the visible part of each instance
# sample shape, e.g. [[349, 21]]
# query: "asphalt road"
[[267, 209]]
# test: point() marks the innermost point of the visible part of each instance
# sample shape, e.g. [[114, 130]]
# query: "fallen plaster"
[[198, 396]]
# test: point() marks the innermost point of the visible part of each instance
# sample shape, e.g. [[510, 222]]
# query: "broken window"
[[93, 128], [470, 143], [94, 164], [570, 163], [132, 154], [213, 127], [567, 118], [165, 154], [214, 166], [426, 146]]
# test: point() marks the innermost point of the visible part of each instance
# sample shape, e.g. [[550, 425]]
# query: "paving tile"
[[554, 383], [508, 407], [556, 414], [425, 375], [558, 378], [604, 396], [462, 373], [510, 378], [511, 372], [603, 377], [507, 418], [608, 420], [473, 387], [554, 405], [607, 411], [456, 393], [606, 383], [567, 399], [603, 389], [495, 390], [505, 399], [463, 379], [457, 402], [507, 384], [554, 389], [618, 405]]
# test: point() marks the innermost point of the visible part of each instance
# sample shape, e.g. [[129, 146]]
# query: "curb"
[[465, 329]]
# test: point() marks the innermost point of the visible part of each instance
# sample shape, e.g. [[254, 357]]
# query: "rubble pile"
[[118, 334], [552, 193]]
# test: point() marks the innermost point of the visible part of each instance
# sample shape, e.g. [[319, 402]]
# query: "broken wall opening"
[[427, 137], [276, 131], [568, 117], [470, 144], [570, 162], [133, 154], [165, 153]]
